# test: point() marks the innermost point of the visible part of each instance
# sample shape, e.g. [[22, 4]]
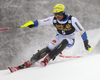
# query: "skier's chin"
[[59, 18]]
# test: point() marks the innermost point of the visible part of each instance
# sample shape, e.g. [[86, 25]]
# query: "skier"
[[65, 38]]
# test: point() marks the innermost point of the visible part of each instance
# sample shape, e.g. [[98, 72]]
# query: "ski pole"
[[29, 23], [10, 28], [3, 29]]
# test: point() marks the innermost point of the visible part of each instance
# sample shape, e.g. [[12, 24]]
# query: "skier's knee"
[[58, 49]]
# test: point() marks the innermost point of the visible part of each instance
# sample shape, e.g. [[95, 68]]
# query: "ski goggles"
[[58, 14]]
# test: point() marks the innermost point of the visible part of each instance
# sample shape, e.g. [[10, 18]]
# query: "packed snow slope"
[[85, 68]]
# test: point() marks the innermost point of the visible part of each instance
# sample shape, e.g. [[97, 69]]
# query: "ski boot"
[[46, 60]]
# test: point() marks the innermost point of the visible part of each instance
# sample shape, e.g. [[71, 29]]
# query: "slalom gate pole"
[[69, 56]]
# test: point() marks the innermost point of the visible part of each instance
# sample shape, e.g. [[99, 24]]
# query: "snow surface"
[[85, 68]]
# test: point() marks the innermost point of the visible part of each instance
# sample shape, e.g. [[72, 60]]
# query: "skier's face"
[[59, 15]]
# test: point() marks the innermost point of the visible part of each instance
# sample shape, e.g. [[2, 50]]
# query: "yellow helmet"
[[59, 8]]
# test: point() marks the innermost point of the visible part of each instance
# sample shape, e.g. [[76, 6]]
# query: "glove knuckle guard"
[[27, 24]]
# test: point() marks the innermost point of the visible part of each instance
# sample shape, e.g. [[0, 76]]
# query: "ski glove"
[[29, 24], [87, 46]]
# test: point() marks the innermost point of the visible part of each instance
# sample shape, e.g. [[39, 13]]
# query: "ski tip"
[[13, 69], [10, 69]]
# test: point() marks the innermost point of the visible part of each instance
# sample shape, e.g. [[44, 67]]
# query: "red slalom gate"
[[69, 56]]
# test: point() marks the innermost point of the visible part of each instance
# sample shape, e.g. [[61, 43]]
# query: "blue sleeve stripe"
[[36, 23], [84, 36]]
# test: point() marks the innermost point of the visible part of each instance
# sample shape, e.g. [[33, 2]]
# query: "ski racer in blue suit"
[[65, 38]]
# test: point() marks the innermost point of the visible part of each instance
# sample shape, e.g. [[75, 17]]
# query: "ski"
[[13, 69], [25, 65]]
